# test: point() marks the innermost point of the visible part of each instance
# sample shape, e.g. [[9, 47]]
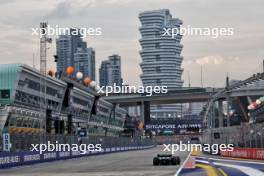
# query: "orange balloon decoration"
[[141, 126], [51, 73], [87, 81], [70, 70]]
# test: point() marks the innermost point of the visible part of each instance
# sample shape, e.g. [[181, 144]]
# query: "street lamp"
[[251, 132], [261, 139]]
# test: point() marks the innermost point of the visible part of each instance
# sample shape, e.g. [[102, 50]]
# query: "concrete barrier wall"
[[246, 153], [12, 159]]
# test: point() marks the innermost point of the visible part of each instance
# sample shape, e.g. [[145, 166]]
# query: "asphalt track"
[[132, 163], [219, 166]]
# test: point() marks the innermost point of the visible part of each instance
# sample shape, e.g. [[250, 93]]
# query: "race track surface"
[[208, 165], [132, 163]]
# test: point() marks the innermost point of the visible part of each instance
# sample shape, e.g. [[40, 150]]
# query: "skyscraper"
[[161, 59], [71, 49], [110, 71], [103, 73], [84, 61]]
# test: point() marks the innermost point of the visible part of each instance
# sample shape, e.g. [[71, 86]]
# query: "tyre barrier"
[[13, 159]]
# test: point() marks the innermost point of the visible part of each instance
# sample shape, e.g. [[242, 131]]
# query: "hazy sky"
[[239, 55]]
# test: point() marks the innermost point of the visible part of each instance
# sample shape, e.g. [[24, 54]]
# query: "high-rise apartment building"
[[103, 73], [110, 71], [84, 61], [71, 49], [161, 56]]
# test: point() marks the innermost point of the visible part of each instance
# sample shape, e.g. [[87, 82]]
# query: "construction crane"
[[43, 47], [43, 68]]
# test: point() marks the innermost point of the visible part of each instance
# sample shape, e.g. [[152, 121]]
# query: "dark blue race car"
[[166, 159]]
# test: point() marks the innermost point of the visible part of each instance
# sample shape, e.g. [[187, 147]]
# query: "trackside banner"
[[174, 125], [246, 153]]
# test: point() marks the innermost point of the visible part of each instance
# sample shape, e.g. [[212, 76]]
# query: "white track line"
[[247, 170], [239, 161], [179, 170], [202, 161]]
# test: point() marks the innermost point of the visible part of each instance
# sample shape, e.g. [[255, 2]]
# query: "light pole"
[[261, 139], [250, 140], [202, 75]]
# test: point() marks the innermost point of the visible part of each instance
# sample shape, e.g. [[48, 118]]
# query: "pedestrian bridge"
[[180, 95]]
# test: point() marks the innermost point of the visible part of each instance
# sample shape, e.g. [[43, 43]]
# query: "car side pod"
[[166, 160]]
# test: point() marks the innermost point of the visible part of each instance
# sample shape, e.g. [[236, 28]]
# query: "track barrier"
[[245, 153]]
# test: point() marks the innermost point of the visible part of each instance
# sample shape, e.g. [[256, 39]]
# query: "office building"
[[110, 71], [71, 49], [84, 61]]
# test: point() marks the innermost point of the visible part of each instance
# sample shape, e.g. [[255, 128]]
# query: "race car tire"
[[178, 160], [156, 161], [173, 161]]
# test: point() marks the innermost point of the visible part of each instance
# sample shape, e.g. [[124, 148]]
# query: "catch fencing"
[[21, 154]]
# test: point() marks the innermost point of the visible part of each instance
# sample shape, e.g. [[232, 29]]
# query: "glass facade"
[[161, 56]]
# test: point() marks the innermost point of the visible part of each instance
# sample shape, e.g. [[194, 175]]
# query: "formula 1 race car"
[[166, 159]]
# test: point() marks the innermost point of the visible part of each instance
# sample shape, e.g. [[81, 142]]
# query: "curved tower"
[[161, 59]]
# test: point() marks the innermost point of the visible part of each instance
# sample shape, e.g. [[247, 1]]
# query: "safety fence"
[[21, 151], [244, 136], [23, 142], [12, 159]]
